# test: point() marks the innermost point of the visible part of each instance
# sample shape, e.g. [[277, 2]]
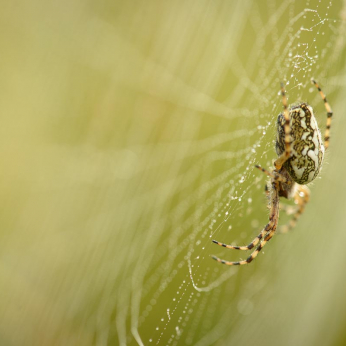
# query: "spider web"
[[158, 112], [222, 123]]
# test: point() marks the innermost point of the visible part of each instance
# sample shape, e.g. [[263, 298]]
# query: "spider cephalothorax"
[[300, 151]]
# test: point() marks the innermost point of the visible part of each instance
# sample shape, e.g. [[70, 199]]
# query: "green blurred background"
[[129, 131]]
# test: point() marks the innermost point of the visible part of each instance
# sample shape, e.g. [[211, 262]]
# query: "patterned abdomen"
[[307, 147]]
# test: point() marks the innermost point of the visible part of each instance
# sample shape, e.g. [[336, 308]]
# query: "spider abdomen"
[[307, 149]]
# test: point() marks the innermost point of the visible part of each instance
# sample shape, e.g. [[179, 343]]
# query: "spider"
[[300, 153]]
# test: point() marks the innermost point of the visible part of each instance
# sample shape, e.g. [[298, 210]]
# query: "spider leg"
[[269, 228], [249, 246], [266, 191], [267, 237], [301, 197], [286, 154], [329, 114], [288, 209], [274, 175]]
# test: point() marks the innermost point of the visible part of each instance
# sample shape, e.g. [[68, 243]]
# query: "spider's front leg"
[[287, 152], [329, 114], [275, 175]]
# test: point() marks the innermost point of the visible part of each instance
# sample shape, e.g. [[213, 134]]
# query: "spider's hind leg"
[[301, 198], [288, 209]]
